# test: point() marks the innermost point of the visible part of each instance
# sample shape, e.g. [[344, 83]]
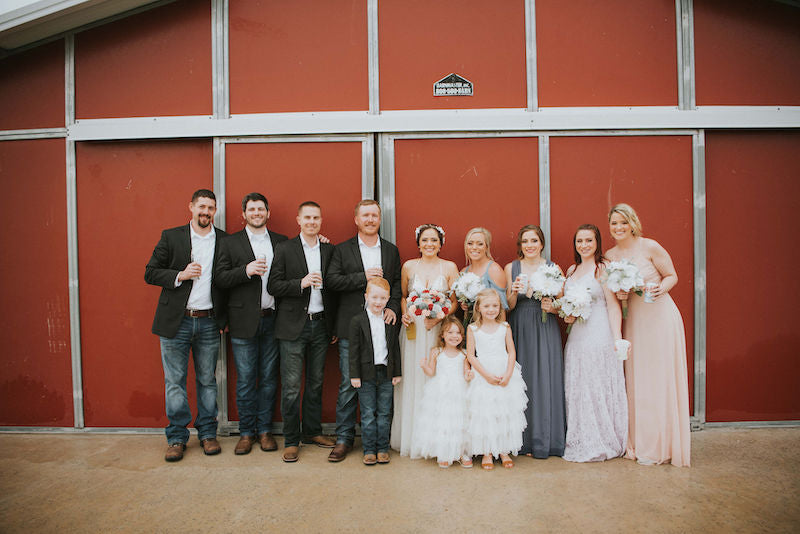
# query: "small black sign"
[[452, 85]]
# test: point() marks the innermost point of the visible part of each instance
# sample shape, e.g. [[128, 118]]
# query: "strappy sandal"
[[508, 463], [465, 461], [487, 465], [444, 465]]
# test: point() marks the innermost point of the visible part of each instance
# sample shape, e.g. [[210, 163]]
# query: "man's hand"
[[355, 382], [311, 279], [256, 267], [389, 317], [374, 272], [193, 270], [396, 380]]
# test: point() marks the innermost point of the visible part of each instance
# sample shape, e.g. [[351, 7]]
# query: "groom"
[[355, 261]]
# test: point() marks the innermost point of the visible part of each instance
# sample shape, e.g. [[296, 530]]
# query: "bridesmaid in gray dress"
[[538, 350]]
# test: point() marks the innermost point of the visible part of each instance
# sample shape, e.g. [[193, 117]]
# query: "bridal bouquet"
[[624, 275], [577, 302], [428, 303], [466, 287], [547, 281]]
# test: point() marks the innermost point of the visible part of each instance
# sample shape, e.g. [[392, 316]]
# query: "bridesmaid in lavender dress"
[[597, 410], [656, 375]]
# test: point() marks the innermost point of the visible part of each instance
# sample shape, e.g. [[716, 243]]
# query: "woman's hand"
[[406, 319], [622, 295], [430, 322], [547, 305], [657, 291], [517, 286], [569, 319], [464, 306]]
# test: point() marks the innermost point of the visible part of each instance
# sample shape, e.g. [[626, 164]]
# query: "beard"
[[203, 221]]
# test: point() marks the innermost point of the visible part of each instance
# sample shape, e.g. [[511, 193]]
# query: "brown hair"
[[528, 228], [447, 322], [487, 293], [598, 253]]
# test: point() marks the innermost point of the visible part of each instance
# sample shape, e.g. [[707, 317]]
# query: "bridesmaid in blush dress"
[[538, 347], [655, 373]]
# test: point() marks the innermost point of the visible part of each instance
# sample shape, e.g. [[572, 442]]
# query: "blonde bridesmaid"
[[655, 372]]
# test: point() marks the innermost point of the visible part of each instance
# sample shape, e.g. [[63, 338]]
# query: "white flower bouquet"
[[466, 287], [576, 302], [428, 303], [624, 275], [547, 281]]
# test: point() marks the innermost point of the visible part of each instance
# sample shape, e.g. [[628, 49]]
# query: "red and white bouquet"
[[428, 303]]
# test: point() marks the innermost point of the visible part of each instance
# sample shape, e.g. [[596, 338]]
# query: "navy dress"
[[539, 354]]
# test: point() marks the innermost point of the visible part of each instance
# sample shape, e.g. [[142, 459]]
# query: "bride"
[[428, 271]]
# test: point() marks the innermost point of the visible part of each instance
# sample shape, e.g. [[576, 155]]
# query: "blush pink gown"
[[656, 376]]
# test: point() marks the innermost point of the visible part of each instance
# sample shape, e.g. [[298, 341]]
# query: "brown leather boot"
[[291, 453], [244, 445], [175, 452], [211, 446], [267, 442], [339, 452], [321, 441]]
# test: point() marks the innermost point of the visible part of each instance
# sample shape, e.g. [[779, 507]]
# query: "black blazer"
[[244, 294], [346, 275], [288, 269], [362, 356], [171, 255]]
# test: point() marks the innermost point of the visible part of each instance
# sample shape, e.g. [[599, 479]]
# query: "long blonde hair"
[[629, 214], [487, 237], [483, 295]]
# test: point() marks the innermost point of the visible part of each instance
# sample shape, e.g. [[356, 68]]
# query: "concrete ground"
[[740, 481]]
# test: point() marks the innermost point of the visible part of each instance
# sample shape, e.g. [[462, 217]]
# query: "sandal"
[[465, 461], [444, 465], [488, 465], [508, 463]]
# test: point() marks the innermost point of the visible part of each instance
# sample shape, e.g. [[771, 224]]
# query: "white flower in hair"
[[426, 226]]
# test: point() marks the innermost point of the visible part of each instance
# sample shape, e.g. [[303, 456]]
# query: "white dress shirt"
[[314, 263], [261, 244], [202, 253], [370, 256], [377, 328]]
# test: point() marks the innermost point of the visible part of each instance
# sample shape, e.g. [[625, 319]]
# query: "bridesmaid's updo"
[[528, 228], [430, 226], [629, 214]]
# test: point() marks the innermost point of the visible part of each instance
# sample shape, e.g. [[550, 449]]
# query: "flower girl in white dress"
[[440, 422], [496, 396]]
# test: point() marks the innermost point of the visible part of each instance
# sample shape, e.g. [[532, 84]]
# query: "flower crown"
[[426, 226]]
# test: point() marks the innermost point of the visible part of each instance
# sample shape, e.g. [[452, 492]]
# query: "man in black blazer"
[[355, 261], [190, 314], [245, 259], [304, 326]]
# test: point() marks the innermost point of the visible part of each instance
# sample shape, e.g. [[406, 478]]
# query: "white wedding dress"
[[408, 393]]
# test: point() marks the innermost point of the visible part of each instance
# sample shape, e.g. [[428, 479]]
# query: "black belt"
[[316, 316], [267, 312], [199, 313]]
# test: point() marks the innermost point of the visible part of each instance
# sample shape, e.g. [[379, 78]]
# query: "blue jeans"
[[201, 335], [346, 400], [256, 378], [311, 346], [375, 398]]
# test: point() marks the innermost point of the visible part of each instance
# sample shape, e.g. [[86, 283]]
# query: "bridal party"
[[450, 360]]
